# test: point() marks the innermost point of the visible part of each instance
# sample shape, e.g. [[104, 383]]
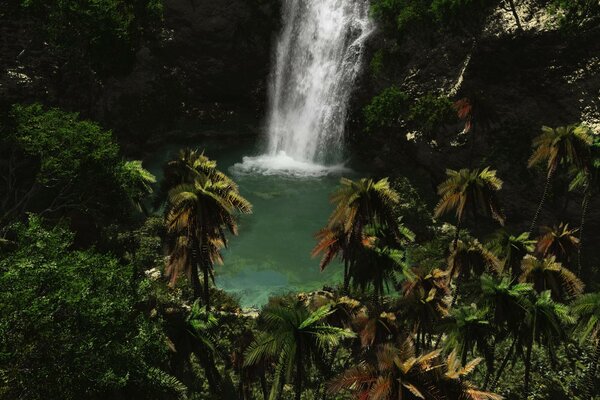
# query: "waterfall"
[[317, 60]]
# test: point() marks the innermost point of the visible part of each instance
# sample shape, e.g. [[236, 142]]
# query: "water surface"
[[271, 255]]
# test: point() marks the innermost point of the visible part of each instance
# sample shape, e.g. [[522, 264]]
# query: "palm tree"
[[455, 384], [378, 268], [202, 327], [511, 250], [332, 242], [509, 304], [343, 311], [424, 302], [587, 309], [469, 190], [469, 329], [141, 181], [357, 205], [470, 258], [589, 180], [296, 338], [565, 145], [545, 325], [346, 313], [375, 327], [185, 168], [558, 241], [177, 171], [198, 216], [548, 274], [364, 202], [397, 372]]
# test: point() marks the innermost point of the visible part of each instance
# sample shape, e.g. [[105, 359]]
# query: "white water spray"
[[318, 58]]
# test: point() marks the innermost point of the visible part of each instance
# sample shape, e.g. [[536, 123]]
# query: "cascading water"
[[318, 57]]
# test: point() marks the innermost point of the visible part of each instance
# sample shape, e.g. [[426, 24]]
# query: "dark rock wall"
[[210, 60], [524, 81]]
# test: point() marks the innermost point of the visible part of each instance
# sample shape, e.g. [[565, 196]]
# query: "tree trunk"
[[206, 289], [541, 205], [298, 373], [528, 358], [457, 233], [584, 207], [504, 363], [207, 362], [513, 9], [263, 384], [590, 376], [346, 277], [331, 370], [490, 366], [195, 278]]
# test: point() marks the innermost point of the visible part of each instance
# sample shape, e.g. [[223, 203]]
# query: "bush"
[[60, 165], [430, 112], [576, 14], [69, 325], [401, 16], [385, 109]]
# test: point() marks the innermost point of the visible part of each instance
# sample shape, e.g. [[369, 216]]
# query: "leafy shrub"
[[69, 323], [59, 164], [385, 109], [402, 15], [430, 112], [576, 14], [418, 16]]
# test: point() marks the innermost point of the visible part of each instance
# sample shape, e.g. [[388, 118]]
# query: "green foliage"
[[402, 15], [61, 142], [472, 190], [419, 16], [136, 182], [203, 204], [470, 329], [57, 164], [69, 325], [103, 33], [385, 109], [430, 112], [576, 14], [295, 338], [413, 209], [377, 62], [426, 114]]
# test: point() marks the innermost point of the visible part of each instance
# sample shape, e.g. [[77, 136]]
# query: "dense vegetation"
[[107, 285], [414, 315]]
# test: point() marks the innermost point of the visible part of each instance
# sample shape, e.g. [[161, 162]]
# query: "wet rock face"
[[519, 82], [209, 63], [221, 46]]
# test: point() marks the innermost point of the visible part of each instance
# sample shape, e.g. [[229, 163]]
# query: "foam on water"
[[283, 165]]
